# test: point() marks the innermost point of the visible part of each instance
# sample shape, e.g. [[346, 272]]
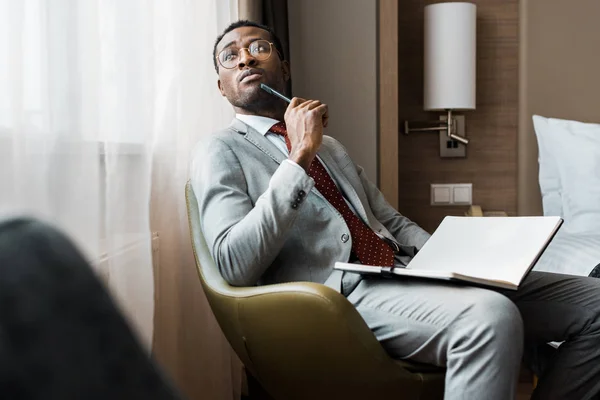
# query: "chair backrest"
[[221, 296]]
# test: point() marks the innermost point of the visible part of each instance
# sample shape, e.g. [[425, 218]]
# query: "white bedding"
[[571, 253], [569, 158]]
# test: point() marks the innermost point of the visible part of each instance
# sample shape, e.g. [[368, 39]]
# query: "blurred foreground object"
[[61, 335]]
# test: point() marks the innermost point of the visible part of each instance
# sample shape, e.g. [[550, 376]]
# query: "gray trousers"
[[481, 335]]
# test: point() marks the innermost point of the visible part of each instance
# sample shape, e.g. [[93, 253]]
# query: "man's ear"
[[285, 68], [220, 87]]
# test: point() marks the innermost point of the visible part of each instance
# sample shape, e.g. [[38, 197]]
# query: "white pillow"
[[575, 149], [549, 178]]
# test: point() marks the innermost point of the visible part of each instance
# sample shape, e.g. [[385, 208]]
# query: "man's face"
[[241, 84]]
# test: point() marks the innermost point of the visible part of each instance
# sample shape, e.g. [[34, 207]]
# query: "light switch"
[[441, 194], [451, 194], [462, 194]]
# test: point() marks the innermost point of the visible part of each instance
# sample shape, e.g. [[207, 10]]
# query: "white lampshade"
[[450, 47]]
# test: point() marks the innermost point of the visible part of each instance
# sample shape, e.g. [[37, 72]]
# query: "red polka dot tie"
[[366, 245]]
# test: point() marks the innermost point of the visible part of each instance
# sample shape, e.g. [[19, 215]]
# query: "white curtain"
[[188, 340], [101, 102]]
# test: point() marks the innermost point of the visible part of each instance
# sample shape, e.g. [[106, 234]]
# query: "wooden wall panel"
[[387, 44], [491, 163]]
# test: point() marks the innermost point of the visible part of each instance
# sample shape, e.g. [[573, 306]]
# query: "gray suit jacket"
[[266, 223]]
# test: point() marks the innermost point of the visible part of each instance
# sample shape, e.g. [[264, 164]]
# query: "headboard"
[[559, 77]]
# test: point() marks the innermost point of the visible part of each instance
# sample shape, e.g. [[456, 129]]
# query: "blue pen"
[[274, 92]]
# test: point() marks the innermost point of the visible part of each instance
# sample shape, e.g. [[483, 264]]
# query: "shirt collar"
[[258, 123]]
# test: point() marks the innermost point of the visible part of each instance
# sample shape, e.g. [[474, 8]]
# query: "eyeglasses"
[[259, 49]]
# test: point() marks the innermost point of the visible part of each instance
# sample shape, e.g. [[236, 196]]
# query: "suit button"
[[299, 199], [301, 193], [345, 238], [294, 205]]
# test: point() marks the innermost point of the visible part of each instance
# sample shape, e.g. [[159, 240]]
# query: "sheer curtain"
[[188, 340], [100, 104], [76, 133]]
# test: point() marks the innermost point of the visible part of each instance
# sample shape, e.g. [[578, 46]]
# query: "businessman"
[[280, 201]]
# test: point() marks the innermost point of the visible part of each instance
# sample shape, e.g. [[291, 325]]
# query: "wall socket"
[[452, 148]]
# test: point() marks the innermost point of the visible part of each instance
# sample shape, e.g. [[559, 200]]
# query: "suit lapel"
[[345, 186], [264, 144]]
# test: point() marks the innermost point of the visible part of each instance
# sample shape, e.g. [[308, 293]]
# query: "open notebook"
[[489, 251]]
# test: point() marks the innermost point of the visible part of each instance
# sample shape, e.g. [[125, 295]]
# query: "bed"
[[559, 128]]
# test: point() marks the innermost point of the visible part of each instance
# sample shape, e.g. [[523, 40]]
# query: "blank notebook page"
[[498, 248]]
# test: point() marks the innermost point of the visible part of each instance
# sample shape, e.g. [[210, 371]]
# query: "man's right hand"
[[305, 120]]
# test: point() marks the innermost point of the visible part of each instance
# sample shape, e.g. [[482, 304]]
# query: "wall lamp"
[[449, 67]]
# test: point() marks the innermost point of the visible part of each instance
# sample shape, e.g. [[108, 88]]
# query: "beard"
[[257, 101]]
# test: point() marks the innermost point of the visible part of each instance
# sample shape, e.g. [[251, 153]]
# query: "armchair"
[[303, 340]]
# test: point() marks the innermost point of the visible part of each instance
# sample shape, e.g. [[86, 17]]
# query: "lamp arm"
[[449, 126]]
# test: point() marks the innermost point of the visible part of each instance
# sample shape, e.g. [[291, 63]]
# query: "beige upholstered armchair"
[[304, 340]]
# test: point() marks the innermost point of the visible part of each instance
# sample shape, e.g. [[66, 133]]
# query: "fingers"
[[296, 101], [314, 106], [311, 104], [303, 103], [321, 109]]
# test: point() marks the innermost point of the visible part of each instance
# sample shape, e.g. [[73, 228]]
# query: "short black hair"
[[241, 23]]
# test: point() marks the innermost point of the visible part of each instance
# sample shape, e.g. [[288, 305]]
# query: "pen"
[[282, 97], [274, 92]]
